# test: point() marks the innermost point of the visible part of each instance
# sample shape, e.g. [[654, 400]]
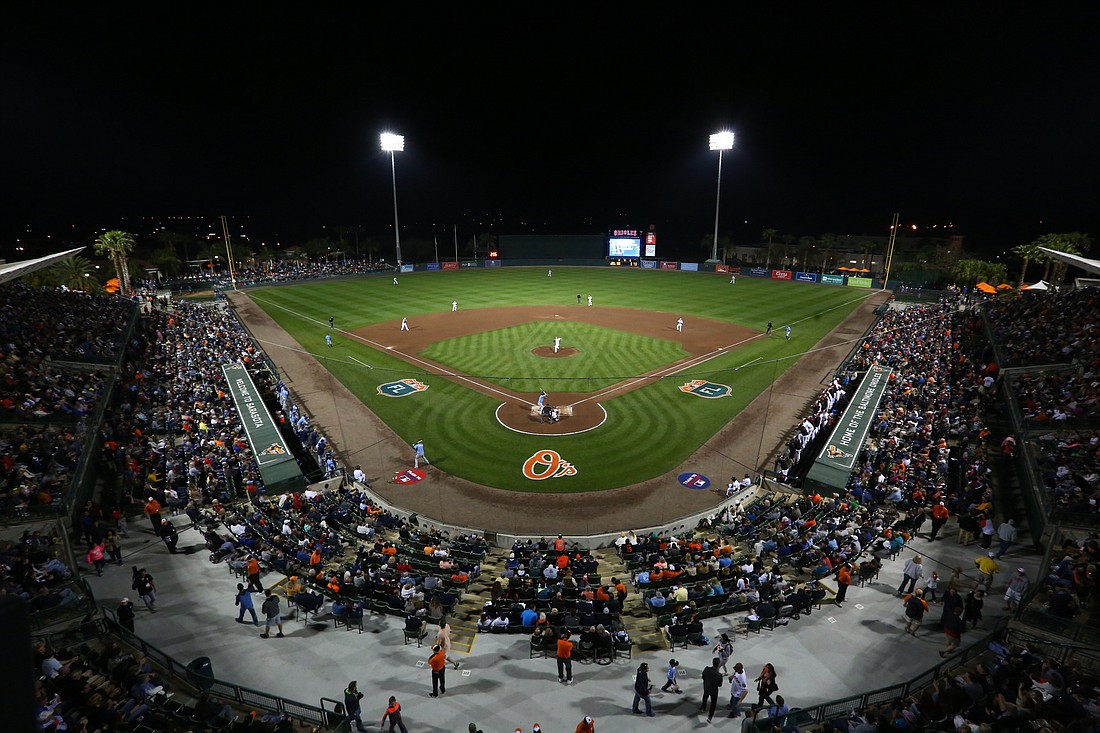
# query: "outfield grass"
[[648, 431], [606, 356]]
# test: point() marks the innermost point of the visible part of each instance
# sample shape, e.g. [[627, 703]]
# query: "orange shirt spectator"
[[565, 648]]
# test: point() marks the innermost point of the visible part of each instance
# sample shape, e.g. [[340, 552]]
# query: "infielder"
[[679, 324], [418, 446], [589, 300], [404, 324], [454, 306], [328, 339], [787, 330]]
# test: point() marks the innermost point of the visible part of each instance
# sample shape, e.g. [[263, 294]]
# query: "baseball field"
[[634, 396]]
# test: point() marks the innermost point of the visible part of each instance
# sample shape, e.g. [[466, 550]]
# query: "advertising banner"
[[450, 265], [408, 268], [469, 263], [492, 263], [277, 465], [832, 279], [722, 268], [782, 274], [690, 266], [756, 271], [806, 277], [835, 463], [433, 266], [859, 282], [649, 264], [669, 265]]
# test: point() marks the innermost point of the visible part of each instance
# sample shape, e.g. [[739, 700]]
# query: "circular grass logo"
[[693, 480], [547, 464]]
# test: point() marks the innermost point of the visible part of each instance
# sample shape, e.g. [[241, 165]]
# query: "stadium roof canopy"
[[12, 270], [1084, 263]]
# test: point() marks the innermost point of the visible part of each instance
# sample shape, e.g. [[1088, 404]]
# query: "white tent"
[[1041, 285]]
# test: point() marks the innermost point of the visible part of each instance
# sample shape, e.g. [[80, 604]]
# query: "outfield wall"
[[793, 276]]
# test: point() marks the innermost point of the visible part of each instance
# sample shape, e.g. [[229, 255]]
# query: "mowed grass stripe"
[[505, 356], [648, 431]]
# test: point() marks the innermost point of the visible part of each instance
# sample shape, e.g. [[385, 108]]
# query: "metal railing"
[[232, 693], [817, 714]]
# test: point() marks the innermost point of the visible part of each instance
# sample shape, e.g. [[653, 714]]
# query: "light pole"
[[720, 141], [391, 144]]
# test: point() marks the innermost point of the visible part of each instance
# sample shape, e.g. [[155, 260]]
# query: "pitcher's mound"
[[548, 352]]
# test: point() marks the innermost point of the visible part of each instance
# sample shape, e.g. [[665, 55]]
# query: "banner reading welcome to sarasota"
[[278, 467], [836, 461]]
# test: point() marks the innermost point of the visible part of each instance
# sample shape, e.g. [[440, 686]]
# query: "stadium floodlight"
[[391, 144], [720, 141]]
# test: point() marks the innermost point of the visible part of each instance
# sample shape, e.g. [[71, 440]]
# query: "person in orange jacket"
[[843, 580]]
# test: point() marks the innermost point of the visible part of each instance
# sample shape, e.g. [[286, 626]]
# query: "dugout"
[[553, 248]]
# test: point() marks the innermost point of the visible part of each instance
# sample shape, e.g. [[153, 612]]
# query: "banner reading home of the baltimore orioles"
[[278, 468], [832, 468]]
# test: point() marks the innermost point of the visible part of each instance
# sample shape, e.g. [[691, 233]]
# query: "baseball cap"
[[588, 719], [1020, 570], [673, 663]]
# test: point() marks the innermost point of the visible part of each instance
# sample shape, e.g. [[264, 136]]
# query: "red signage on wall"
[[665, 265], [782, 274], [721, 268], [651, 237], [450, 265]]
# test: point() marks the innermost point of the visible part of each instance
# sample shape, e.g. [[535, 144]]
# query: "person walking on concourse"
[[641, 690], [393, 712]]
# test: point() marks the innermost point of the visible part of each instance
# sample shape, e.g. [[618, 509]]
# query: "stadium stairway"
[[467, 611], [636, 616]]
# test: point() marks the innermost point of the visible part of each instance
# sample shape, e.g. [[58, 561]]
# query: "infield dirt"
[[701, 337]]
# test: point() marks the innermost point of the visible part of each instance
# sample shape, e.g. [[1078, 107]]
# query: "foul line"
[[432, 368]]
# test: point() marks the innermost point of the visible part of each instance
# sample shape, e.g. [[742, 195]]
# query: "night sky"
[[552, 118]]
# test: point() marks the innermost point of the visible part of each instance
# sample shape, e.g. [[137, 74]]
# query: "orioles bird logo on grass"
[[547, 464], [273, 450]]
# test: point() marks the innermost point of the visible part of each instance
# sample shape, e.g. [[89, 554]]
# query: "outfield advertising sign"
[[468, 263], [832, 279], [492, 263], [835, 463], [859, 282], [690, 266], [722, 268], [805, 277], [782, 274], [408, 268], [665, 265], [649, 264], [756, 271], [433, 266], [277, 465], [450, 265]]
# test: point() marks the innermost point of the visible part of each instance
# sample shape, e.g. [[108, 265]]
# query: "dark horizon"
[[571, 123]]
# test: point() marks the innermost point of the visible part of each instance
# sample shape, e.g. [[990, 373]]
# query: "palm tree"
[[768, 235], [787, 240], [1028, 253], [75, 273], [166, 261], [806, 242], [117, 244], [828, 242]]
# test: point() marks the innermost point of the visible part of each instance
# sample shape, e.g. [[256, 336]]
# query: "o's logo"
[[547, 464]]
